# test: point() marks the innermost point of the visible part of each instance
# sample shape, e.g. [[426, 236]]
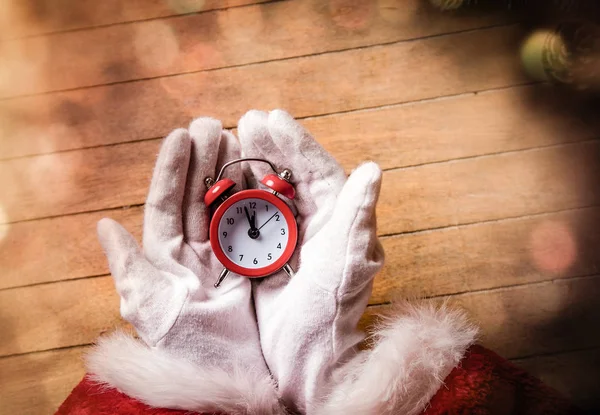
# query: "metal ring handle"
[[239, 161]]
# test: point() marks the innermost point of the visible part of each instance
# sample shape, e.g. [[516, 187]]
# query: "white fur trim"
[[161, 380], [412, 356]]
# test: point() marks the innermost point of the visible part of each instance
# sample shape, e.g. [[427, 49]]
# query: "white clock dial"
[[253, 233]]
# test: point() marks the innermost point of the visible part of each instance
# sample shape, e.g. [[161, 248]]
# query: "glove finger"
[[316, 174], [163, 232], [278, 138], [351, 234], [206, 136], [230, 149], [253, 129]]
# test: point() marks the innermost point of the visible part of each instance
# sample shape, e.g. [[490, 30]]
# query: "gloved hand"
[[307, 324], [203, 351]]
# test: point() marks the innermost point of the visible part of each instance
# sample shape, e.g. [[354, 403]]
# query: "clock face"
[[255, 236]]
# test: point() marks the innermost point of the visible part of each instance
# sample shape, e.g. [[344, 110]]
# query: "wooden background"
[[490, 192]]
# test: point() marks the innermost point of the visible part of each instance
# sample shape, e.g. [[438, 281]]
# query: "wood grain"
[[452, 128], [59, 248], [195, 42], [77, 181], [48, 316], [37, 383], [526, 320], [306, 86], [423, 197], [402, 135], [489, 187], [574, 374], [34, 17], [490, 255]]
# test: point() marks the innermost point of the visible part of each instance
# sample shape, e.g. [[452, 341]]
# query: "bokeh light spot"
[[553, 247], [351, 14], [185, 6], [155, 45]]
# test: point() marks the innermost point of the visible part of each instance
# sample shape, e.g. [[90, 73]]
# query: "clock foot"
[[288, 270], [222, 276]]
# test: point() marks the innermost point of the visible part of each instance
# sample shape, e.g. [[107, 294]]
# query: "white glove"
[[308, 324], [204, 352]]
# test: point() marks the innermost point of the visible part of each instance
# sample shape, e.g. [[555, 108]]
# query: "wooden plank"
[[424, 197], [34, 384], [457, 127], [218, 39], [489, 187], [517, 321], [48, 316], [526, 320], [58, 248], [575, 374], [398, 136], [307, 86], [68, 182], [28, 18], [490, 255], [457, 259]]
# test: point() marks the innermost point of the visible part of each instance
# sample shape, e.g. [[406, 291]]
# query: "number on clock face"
[[253, 233]]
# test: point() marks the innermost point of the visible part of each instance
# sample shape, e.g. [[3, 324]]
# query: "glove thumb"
[[351, 233], [119, 246], [150, 299]]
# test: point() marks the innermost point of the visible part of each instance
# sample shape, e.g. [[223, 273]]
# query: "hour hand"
[[250, 219], [253, 233]]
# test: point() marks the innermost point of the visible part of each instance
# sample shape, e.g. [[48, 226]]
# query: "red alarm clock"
[[253, 232]]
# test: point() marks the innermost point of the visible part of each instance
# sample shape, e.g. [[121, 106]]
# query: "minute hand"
[[251, 220], [274, 214]]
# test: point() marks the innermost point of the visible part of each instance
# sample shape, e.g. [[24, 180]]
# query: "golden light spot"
[[185, 6], [351, 14], [553, 247], [155, 45], [545, 56]]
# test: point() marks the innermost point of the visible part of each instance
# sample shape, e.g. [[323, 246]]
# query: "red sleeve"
[[485, 384]]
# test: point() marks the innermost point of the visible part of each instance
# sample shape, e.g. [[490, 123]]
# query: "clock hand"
[[250, 220], [253, 233], [261, 226]]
